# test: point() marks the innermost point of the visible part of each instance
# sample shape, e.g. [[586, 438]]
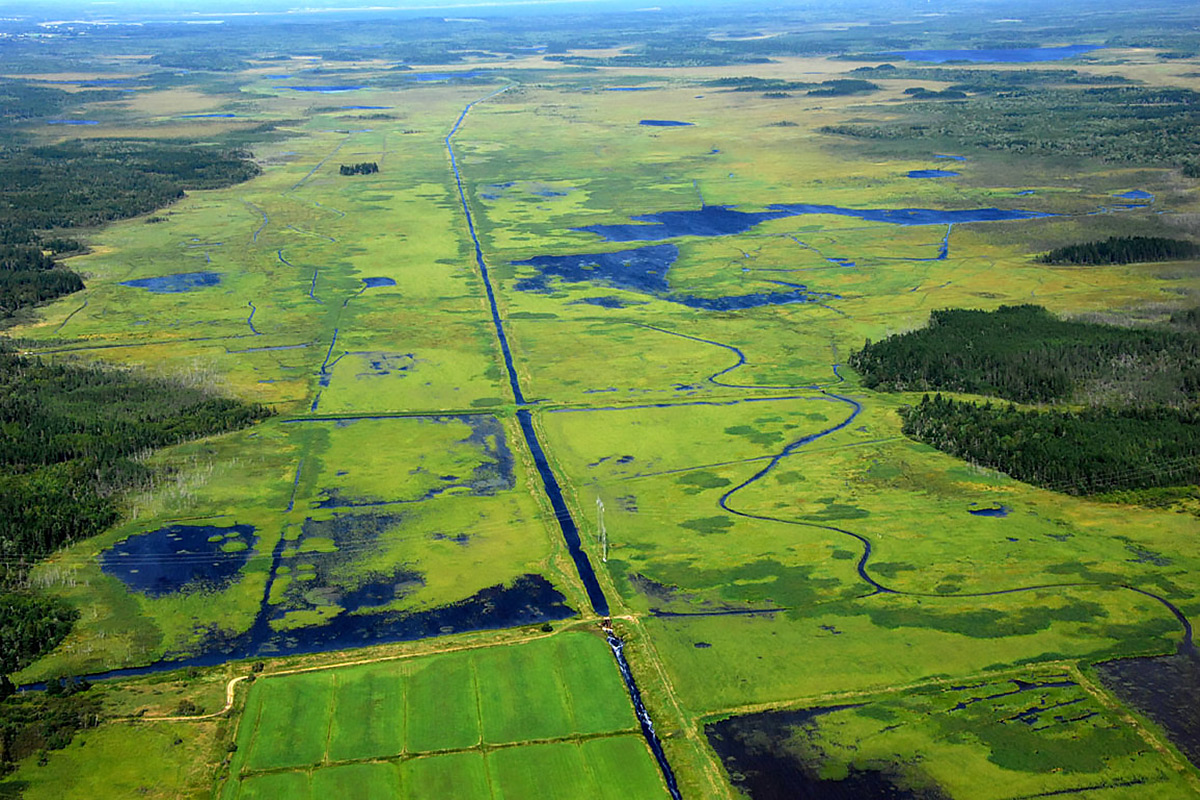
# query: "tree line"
[[1123, 250], [1092, 451], [1024, 353]]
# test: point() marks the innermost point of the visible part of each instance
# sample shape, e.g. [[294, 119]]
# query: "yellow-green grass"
[[119, 760]]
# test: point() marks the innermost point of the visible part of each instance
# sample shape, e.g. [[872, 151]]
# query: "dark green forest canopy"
[[1123, 250], [1087, 452], [1024, 353]]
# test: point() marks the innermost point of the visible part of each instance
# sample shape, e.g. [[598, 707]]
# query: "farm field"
[[573, 364], [479, 723]]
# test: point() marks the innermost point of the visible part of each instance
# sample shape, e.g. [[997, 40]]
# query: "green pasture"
[[438, 719]]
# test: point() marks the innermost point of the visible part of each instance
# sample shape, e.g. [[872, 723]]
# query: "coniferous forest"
[[1139, 426], [1123, 250], [1028, 355], [1091, 451]]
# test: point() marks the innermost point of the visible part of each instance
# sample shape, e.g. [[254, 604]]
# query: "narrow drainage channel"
[[566, 523]]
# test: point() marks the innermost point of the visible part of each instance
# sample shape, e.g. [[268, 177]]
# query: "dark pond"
[[170, 284], [1166, 689], [725, 220], [1135, 194], [529, 600], [180, 558], [72, 122], [373, 283], [208, 116], [950, 158], [629, 88], [645, 270], [1017, 55], [932, 173], [754, 750], [323, 88], [665, 123], [994, 511]]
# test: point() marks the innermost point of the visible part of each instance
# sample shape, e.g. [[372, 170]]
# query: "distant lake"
[[1019, 55]]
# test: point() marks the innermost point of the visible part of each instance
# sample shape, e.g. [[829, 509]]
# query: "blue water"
[[178, 558], [950, 158], [372, 283], [1135, 194], [72, 122], [171, 284], [323, 88], [645, 270], [995, 511], [365, 108], [1020, 55], [932, 173], [629, 88], [208, 116], [1026, 193], [665, 123], [725, 220]]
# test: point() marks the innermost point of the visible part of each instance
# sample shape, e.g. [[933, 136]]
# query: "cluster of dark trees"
[[1026, 354], [28, 276], [78, 183], [1123, 250], [1091, 451], [921, 93], [37, 722], [363, 168]]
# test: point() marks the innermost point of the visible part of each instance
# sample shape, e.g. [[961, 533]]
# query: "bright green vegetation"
[[1123, 250], [1087, 452], [1026, 354], [454, 720]]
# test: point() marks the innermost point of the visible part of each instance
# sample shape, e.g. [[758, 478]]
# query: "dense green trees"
[[1123, 250], [1026, 354], [362, 168], [1147, 437], [1083, 452]]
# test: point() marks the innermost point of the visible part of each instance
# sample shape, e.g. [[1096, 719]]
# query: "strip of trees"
[[1123, 250]]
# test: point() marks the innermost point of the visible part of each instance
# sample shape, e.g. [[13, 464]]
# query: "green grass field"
[[456, 723], [743, 472]]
